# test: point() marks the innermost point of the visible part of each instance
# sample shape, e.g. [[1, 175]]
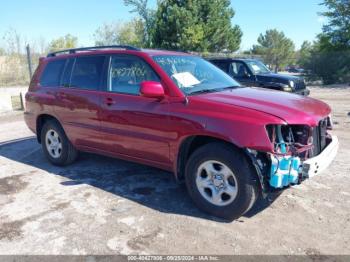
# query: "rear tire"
[[220, 181], [56, 146]]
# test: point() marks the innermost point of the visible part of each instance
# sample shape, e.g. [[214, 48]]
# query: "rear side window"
[[52, 73], [87, 72], [66, 77], [222, 65]]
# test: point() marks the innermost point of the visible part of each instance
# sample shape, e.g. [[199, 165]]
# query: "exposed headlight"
[[291, 84], [329, 122], [287, 89], [289, 138]]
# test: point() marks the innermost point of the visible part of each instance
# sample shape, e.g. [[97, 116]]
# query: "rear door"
[[133, 125], [49, 83], [78, 99], [223, 65]]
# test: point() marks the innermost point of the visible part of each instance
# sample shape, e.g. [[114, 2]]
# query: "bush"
[[331, 66]]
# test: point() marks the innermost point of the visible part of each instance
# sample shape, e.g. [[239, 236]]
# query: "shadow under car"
[[145, 185]]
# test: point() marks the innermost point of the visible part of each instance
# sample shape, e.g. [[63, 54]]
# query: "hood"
[[292, 108], [277, 78]]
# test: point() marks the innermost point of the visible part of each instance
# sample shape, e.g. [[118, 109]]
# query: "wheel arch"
[[190, 144], [40, 121]]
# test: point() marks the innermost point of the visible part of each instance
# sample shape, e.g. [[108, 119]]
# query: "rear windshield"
[[52, 73]]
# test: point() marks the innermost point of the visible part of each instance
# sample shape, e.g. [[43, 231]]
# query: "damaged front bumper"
[[291, 170], [315, 165]]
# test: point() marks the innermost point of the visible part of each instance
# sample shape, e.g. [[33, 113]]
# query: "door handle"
[[109, 101]]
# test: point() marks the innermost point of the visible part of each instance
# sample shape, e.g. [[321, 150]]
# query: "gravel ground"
[[101, 205]]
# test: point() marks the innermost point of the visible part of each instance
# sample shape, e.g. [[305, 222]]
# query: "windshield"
[[194, 74], [258, 67]]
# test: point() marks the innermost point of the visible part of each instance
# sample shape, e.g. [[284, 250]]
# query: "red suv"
[[180, 113]]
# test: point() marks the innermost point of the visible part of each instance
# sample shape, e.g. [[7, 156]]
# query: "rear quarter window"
[[52, 73]]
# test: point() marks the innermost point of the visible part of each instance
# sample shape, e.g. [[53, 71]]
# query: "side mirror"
[[152, 89]]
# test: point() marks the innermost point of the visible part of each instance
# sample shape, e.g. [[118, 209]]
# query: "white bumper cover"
[[317, 164]]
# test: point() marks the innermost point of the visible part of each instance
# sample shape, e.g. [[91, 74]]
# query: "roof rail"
[[74, 50]]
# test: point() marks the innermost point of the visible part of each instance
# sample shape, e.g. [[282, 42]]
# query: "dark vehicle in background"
[[252, 72], [295, 69]]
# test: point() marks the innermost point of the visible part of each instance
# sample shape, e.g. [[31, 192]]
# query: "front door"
[[241, 73], [133, 125]]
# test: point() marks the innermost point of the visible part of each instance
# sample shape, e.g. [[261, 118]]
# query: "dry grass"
[[13, 70]]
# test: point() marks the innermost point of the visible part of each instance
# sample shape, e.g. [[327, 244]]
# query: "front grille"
[[319, 135], [323, 133], [299, 85]]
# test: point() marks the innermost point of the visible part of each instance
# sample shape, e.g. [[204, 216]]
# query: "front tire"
[[56, 146], [220, 181]]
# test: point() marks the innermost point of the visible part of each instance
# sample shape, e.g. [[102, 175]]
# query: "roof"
[[231, 59], [112, 49], [154, 52]]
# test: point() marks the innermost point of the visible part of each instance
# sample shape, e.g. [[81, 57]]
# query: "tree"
[[146, 19], [196, 25], [42, 45], [66, 42], [107, 34], [328, 62], [337, 30], [13, 42], [304, 53], [2, 51], [329, 57], [130, 33], [277, 49], [14, 70]]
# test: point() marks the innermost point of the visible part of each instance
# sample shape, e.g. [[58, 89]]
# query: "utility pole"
[[29, 59]]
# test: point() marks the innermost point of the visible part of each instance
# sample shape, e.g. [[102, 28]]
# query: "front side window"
[[51, 76], [194, 75], [87, 72], [127, 72], [239, 70]]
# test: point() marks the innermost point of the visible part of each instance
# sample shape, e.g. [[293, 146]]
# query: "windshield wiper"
[[202, 91], [225, 88]]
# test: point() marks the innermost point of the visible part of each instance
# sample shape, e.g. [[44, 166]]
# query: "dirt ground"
[[101, 205]]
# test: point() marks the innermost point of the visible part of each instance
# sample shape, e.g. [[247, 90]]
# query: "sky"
[[43, 19]]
